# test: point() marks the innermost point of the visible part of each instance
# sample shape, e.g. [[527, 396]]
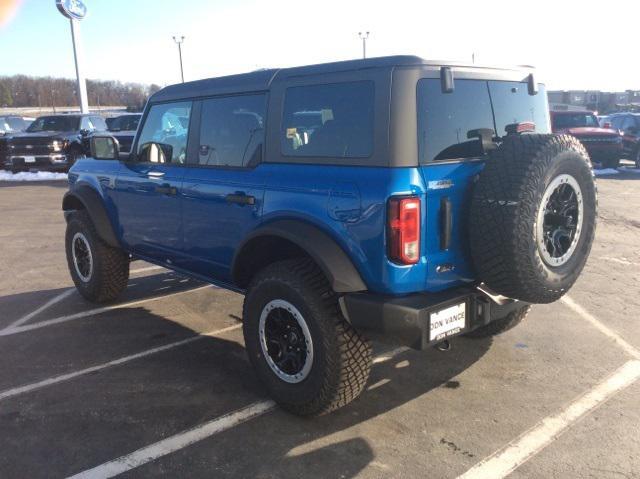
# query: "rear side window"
[[513, 104], [332, 120], [446, 119], [163, 138], [232, 131]]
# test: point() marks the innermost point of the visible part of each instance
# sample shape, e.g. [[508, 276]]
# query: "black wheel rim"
[[82, 258], [286, 341], [560, 220]]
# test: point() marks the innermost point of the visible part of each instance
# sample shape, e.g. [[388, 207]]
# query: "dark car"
[[124, 128], [603, 144], [12, 124], [51, 143], [394, 198], [629, 125]]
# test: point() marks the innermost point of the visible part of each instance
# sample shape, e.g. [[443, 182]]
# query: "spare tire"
[[533, 217]]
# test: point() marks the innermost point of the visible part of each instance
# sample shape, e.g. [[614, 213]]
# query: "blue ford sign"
[[73, 9]]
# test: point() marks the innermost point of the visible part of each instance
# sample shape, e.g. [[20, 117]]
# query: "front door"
[[223, 187], [148, 189]]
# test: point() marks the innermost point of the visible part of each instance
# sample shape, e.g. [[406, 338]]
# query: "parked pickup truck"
[[391, 198], [50, 143], [603, 144]]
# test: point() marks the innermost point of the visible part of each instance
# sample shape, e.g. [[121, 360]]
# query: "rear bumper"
[[406, 320]]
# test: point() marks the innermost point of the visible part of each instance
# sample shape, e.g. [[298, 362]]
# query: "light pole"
[[76, 11], [364, 37], [179, 41]]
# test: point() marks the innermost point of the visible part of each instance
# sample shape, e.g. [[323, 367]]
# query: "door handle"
[[241, 199], [446, 223], [155, 174], [167, 190]]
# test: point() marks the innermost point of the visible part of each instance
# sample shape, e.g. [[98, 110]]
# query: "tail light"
[[404, 230]]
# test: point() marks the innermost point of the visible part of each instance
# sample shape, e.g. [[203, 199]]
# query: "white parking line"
[[177, 442], [629, 349], [64, 295], [506, 460], [66, 377], [187, 438], [46, 305], [93, 312]]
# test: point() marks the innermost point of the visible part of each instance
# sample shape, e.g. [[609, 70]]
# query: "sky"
[[573, 44]]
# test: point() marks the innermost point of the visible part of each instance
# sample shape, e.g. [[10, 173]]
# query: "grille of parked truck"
[[389, 198]]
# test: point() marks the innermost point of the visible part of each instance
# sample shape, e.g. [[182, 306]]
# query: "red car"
[[603, 144]]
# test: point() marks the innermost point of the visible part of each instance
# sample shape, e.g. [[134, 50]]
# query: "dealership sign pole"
[[75, 11]]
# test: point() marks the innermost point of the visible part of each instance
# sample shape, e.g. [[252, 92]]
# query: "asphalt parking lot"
[[159, 383]]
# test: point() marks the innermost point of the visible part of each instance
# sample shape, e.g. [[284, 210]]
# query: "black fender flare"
[[328, 255], [86, 197]]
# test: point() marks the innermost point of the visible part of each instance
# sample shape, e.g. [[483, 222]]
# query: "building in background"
[[594, 100]]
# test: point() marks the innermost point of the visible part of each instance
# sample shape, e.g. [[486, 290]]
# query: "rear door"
[[448, 162], [451, 154], [223, 184], [148, 189]]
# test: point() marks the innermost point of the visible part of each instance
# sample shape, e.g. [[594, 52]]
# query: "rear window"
[[446, 121], [332, 120]]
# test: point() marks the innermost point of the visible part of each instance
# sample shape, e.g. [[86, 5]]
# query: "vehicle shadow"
[[16, 306], [97, 417]]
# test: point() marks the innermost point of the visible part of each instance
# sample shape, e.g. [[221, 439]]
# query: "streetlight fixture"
[[364, 38], [179, 41], [75, 11]]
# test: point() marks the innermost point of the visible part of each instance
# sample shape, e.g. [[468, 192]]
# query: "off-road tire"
[[501, 325], [503, 216], [110, 265], [342, 358]]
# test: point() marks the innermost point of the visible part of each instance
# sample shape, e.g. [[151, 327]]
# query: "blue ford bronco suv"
[[391, 198]]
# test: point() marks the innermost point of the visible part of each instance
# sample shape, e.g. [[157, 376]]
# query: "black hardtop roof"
[[261, 80]]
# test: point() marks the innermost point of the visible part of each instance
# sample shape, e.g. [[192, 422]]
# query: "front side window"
[[86, 124], [446, 121], [163, 138], [232, 131], [98, 123], [332, 120]]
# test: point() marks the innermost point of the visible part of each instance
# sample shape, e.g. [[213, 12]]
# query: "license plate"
[[29, 159], [447, 322]]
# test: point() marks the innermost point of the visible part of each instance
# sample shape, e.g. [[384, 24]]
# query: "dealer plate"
[[29, 159], [447, 322]]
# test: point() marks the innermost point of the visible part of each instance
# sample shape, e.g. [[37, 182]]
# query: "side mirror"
[[104, 147], [84, 132], [606, 125], [152, 152]]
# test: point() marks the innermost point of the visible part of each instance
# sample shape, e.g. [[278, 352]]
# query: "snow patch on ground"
[[606, 171], [32, 176]]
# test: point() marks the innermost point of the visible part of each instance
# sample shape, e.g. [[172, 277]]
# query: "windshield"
[[574, 120], [54, 123], [125, 123]]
